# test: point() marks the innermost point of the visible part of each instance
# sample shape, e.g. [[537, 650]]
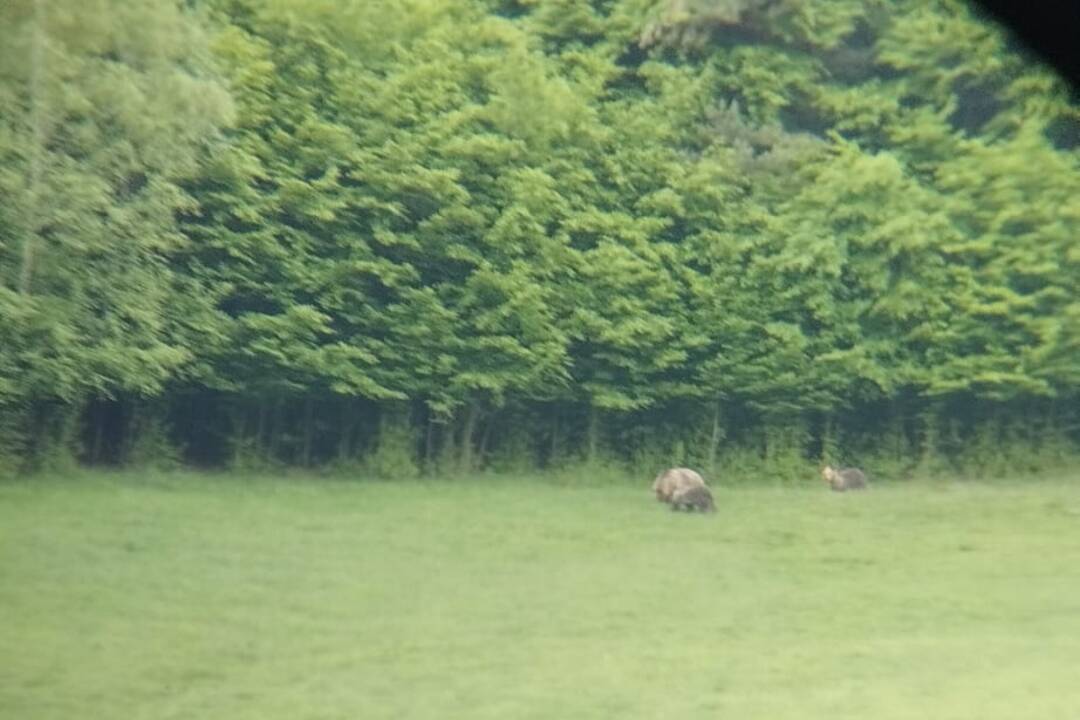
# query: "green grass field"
[[193, 597]]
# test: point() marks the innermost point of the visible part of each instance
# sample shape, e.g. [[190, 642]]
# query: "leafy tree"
[[721, 231], [99, 130]]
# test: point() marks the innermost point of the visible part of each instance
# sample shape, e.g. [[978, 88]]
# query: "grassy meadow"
[[245, 598]]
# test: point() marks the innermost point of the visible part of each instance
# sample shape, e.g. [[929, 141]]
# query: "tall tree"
[[99, 128]]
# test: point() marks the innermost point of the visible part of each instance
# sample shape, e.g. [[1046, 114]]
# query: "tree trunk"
[[592, 433], [348, 423], [37, 150], [261, 444], [238, 415], [130, 431], [554, 457], [714, 441], [929, 446], [467, 432], [481, 456], [828, 440], [309, 411], [767, 440], [897, 439], [99, 434], [273, 443], [429, 443]]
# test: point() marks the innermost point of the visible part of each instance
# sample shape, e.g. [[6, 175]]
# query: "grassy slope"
[[187, 598]]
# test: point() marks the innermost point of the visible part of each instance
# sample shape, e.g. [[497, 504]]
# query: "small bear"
[[693, 498], [671, 481], [844, 479]]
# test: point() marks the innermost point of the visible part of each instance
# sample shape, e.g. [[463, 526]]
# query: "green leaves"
[[790, 207], [101, 130]]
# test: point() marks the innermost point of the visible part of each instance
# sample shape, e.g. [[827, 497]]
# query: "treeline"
[[442, 235]]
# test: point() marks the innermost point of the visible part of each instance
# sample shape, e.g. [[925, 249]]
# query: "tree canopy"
[[435, 234]]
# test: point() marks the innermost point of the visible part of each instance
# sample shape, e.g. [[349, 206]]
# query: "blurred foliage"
[[448, 235]]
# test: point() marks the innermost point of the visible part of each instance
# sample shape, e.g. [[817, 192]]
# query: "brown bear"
[[844, 479], [669, 481], [693, 498]]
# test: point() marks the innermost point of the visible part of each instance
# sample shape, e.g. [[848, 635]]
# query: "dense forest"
[[437, 236]]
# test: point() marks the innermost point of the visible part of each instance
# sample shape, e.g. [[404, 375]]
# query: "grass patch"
[[192, 597]]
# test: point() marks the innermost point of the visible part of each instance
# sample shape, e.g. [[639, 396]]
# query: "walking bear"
[[844, 479], [670, 481], [693, 498]]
